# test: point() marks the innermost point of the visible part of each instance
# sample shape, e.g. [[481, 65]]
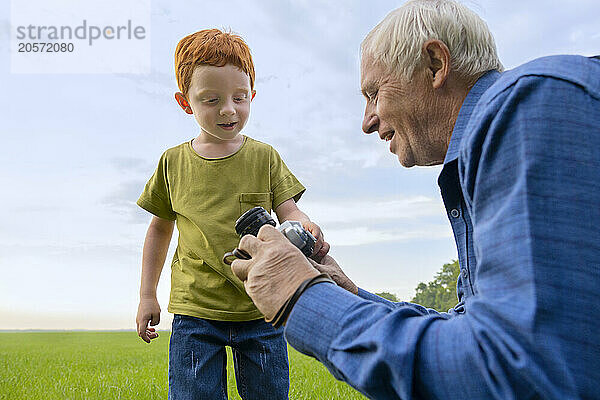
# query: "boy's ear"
[[183, 103], [253, 94]]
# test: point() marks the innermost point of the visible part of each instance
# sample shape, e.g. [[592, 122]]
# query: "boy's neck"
[[210, 147]]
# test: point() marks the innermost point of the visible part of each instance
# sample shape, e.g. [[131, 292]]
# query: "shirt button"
[[464, 273], [454, 212]]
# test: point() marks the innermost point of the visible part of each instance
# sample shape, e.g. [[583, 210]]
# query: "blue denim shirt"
[[521, 186]]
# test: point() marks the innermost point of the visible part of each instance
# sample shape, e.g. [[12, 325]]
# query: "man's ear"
[[183, 103], [253, 94], [437, 60]]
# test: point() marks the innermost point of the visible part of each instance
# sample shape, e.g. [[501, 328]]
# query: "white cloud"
[[372, 220], [373, 209], [363, 235]]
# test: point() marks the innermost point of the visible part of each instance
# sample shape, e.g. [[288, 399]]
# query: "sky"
[[79, 143]]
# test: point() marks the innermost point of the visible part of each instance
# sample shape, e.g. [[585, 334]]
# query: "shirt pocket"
[[175, 263], [251, 200]]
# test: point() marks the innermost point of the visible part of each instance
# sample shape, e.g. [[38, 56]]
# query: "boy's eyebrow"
[[203, 91], [208, 90]]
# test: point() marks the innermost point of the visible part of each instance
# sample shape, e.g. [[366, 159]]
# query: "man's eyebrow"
[[368, 88]]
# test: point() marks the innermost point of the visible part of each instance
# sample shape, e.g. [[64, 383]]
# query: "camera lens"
[[251, 221]]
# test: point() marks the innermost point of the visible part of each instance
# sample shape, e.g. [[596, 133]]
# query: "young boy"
[[204, 185]]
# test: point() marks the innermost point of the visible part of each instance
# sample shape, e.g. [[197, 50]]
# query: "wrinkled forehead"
[[372, 73]]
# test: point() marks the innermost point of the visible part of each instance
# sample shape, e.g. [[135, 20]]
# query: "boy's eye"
[[240, 98], [211, 101]]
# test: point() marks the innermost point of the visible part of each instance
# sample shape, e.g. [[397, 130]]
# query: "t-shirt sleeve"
[[284, 185], [156, 197]]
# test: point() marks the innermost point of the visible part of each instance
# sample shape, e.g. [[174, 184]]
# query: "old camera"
[[251, 221]]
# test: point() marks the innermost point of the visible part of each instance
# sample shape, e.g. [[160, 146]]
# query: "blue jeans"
[[198, 361]]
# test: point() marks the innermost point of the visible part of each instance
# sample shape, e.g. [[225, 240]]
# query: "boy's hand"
[[321, 247], [148, 312]]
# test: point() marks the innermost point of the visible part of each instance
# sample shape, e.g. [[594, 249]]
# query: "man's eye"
[[211, 101], [373, 96], [239, 98]]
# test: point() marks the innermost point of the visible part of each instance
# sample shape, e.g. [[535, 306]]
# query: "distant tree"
[[439, 294], [387, 295]]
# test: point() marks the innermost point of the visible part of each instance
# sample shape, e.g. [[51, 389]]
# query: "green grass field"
[[118, 365]]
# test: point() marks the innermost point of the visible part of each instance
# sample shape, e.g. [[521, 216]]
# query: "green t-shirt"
[[206, 197]]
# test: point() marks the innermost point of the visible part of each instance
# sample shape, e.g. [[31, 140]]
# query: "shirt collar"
[[482, 84]]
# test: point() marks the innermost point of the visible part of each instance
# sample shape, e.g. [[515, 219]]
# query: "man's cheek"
[[383, 110]]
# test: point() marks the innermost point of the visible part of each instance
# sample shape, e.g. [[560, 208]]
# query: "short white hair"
[[398, 39]]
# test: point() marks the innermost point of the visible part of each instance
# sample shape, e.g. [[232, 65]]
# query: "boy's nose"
[[227, 109]]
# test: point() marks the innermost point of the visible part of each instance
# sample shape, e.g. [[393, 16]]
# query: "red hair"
[[210, 47]]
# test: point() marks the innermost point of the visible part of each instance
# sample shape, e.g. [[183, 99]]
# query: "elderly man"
[[520, 183]]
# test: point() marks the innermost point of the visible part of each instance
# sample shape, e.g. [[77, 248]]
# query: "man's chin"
[[432, 163], [406, 160]]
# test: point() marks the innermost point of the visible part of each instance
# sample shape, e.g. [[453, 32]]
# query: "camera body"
[[251, 221]]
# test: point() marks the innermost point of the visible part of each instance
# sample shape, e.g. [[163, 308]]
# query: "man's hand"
[[275, 271], [148, 312], [321, 246], [330, 267]]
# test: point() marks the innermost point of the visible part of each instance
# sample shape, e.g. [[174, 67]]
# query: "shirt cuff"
[[295, 191], [314, 320], [152, 208]]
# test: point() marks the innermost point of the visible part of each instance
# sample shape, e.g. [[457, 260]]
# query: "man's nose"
[[370, 121]]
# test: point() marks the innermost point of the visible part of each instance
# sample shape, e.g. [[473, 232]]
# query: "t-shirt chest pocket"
[[251, 200]]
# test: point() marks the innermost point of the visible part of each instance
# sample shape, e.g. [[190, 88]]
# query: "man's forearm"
[[331, 325], [373, 297], [398, 352]]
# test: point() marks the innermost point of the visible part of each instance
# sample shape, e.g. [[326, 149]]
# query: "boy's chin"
[[223, 136]]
